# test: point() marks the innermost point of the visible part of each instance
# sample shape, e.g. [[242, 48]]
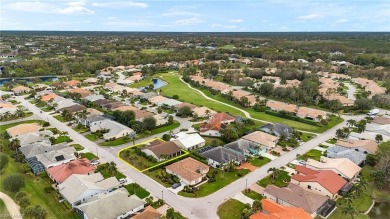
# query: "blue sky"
[[195, 16]]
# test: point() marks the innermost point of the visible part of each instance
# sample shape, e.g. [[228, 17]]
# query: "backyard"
[[281, 179], [222, 179]]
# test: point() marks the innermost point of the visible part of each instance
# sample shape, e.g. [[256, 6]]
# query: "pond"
[[380, 210], [157, 83], [28, 79]]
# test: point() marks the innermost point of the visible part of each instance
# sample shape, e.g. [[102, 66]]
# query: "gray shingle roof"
[[223, 155], [35, 148], [341, 152]]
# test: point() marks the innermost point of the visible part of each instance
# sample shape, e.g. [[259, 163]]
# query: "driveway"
[[351, 91]]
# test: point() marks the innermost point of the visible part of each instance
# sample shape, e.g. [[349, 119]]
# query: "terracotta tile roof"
[[201, 111], [296, 196], [215, 122], [137, 73], [62, 172], [148, 213], [72, 83], [126, 108], [309, 112], [157, 99], [343, 100], [23, 129], [275, 211], [139, 114], [81, 91], [7, 105], [370, 145], [48, 97], [343, 165], [191, 106], [20, 89], [279, 106], [326, 178], [240, 93], [188, 169], [261, 138]]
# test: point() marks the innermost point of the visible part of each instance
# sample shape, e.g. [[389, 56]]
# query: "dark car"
[[176, 185]]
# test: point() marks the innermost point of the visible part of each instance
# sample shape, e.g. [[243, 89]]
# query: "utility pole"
[[162, 195], [246, 185], [97, 152]]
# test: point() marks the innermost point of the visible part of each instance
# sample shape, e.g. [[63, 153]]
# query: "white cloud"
[[189, 21], [236, 21], [309, 17], [343, 20], [128, 23], [118, 4], [74, 7], [180, 13]]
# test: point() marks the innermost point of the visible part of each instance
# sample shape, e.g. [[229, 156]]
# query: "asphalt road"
[[202, 208]]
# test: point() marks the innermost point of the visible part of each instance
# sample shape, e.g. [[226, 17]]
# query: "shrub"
[[48, 189], [3, 161], [36, 212], [14, 182], [45, 124]]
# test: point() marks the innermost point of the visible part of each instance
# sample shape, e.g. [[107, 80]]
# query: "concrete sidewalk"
[[12, 207]]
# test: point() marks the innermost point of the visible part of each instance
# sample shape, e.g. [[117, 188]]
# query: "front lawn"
[[92, 137], [306, 136], [88, 155], [159, 130], [253, 195], [116, 142], [258, 162], [162, 177], [313, 154], [280, 181], [135, 189], [60, 118], [231, 209], [102, 168], [62, 139], [223, 178], [81, 129], [332, 141], [133, 157], [78, 147]]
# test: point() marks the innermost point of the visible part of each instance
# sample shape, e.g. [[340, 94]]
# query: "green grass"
[[280, 181], [78, 147], [313, 154], [5, 127], [175, 86], [116, 142], [89, 156], [60, 118], [3, 210], [159, 130], [135, 160], [143, 83], [135, 189], [103, 170], [62, 139], [210, 140], [332, 141], [92, 137], [253, 195], [258, 162], [231, 209], [54, 130], [154, 175], [306, 136], [223, 179], [81, 129]]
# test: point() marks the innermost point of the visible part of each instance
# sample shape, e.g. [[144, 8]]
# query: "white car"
[[123, 180], [95, 162]]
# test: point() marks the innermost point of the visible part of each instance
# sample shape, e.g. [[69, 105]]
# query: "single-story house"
[[162, 150], [126, 108], [116, 204], [61, 172], [323, 182], [7, 107], [160, 119], [383, 130], [169, 103], [244, 147], [83, 92], [40, 147], [189, 141], [148, 213], [91, 80], [63, 104], [342, 166], [341, 152], [273, 210], [363, 146], [189, 170], [23, 129], [381, 120], [181, 105], [312, 114], [140, 115], [281, 106], [219, 156], [277, 129], [72, 83], [115, 129], [294, 196], [34, 137], [156, 99], [91, 119], [94, 97], [203, 112], [79, 188], [74, 108], [56, 157], [262, 139], [20, 90], [215, 124]]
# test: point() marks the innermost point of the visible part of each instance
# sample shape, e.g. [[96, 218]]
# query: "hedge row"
[[291, 117]]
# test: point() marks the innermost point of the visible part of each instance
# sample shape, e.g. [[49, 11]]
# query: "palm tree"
[[275, 173], [19, 113], [15, 144], [207, 113], [339, 133], [351, 122], [111, 168], [257, 206], [349, 209]]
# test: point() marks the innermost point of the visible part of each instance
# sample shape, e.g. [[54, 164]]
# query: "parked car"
[[176, 185], [123, 180], [302, 162], [95, 162]]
